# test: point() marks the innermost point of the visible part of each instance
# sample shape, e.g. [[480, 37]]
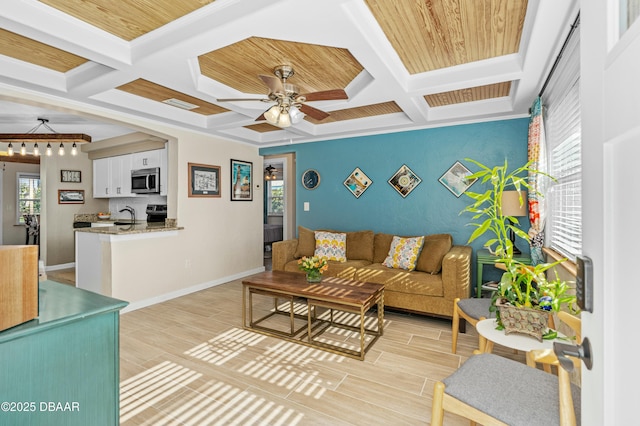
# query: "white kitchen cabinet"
[[112, 177], [146, 159]]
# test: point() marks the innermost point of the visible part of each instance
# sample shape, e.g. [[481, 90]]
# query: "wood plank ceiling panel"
[[127, 19], [435, 34], [316, 67], [34, 52], [156, 92], [470, 94]]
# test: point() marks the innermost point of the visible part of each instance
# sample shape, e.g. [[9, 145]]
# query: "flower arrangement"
[[314, 266], [521, 286]]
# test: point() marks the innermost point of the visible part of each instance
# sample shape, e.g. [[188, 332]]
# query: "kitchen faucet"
[[131, 211]]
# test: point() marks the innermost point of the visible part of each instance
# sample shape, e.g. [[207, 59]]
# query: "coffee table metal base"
[[314, 327]]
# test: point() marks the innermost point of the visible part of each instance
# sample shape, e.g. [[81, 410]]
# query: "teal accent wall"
[[430, 208]]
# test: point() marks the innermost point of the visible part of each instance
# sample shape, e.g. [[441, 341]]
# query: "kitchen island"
[[109, 258]]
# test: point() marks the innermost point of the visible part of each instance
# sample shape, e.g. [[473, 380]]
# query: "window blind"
[[564, 142]]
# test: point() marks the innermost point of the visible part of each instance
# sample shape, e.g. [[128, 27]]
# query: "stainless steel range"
[[156, 212]]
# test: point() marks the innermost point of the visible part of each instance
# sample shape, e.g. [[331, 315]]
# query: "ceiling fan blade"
[[273, 83], [313, 112], [326, 95], [261, 118], [244, 99]]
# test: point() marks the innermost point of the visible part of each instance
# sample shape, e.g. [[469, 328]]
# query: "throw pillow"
[[404, 252], [306, 242], [435, 248], [331, 245], [360, 245]]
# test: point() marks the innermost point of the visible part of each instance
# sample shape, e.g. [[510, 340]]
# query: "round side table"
[[489, 335]]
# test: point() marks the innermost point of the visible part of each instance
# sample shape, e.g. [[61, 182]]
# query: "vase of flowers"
[[313, 266], [522, 286]]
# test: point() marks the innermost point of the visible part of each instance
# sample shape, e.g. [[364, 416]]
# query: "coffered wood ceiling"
[[405, 64]]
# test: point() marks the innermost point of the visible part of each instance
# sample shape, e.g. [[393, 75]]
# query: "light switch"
[[306, 206]]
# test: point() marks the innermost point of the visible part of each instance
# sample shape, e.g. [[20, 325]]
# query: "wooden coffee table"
[[332, 293]]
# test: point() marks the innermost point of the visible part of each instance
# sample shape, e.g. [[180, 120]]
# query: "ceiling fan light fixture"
[[272, 115], [296, 115], [284, 121]]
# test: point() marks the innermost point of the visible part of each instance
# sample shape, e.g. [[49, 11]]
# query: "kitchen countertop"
[[136, 228]]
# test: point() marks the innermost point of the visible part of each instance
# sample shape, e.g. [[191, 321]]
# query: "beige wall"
[[11, 233], [57, 246]]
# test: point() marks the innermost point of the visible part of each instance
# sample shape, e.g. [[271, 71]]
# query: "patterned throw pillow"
[[404, 252], [331, 245]]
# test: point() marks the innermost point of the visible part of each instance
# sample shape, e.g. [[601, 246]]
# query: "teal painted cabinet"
[[62, 368]]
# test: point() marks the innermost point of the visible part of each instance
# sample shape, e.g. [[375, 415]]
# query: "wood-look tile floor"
[[188, 361]]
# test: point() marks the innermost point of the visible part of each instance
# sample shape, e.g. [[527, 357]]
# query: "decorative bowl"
[[104, 215]]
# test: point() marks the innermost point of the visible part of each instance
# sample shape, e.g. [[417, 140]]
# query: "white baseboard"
[[183, 292], [61, 266]]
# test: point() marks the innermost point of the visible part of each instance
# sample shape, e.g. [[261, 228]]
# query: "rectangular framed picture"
[[241, 180], [74, 176], [204, 180], [455, 179], [70, 196]]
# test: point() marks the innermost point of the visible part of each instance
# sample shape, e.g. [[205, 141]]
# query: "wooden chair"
[[470, 310], [492, 390]]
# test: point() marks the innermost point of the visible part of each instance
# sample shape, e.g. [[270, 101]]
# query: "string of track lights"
[[31, 135]]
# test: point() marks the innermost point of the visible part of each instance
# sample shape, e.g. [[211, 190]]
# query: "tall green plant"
[[521, 285]]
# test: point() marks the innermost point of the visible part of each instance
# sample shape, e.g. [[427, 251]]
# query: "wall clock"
[[310, 179]]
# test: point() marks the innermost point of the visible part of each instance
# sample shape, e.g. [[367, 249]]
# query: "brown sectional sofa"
[[443, 271]]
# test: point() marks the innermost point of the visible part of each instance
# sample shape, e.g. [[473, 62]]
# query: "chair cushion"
[[510, 391], [476, 308]]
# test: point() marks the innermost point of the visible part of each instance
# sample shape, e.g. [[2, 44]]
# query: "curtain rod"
[[575, 25]]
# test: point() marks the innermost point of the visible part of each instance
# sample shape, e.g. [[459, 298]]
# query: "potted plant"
[[314, 266], [525, 295]]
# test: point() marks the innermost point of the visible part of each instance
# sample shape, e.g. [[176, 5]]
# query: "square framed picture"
[[455, 179], [204, 180], [404, 180], [357, 182], [241, 180], [73, 176], [70, 196]]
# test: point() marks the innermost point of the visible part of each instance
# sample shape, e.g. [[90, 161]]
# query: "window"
[[564, 141], [29, 195], [275, 197]]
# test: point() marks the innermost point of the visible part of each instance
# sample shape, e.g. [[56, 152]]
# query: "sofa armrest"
[[282, 252], [456, 272]]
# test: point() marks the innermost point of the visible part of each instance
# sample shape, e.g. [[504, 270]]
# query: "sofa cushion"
[[381, 246], [306, 242], [433, 251], [331, 245], [402, 281], [360, 245], [404, 252]]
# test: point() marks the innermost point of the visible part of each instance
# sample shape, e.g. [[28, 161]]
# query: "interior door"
[[610, 105]]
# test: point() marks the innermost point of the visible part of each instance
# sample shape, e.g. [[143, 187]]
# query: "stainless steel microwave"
[[145, 181]]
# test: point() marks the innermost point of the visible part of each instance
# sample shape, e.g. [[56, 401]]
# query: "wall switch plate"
[[306, 206], [584, 283]]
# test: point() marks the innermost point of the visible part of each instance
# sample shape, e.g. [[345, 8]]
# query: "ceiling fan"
[[290, 105]]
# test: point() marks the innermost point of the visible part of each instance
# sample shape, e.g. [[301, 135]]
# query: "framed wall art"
[[404, 180], [357, 182], [241, 180], [73, 176], [455, 179], [70, 196], [204, 180]]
